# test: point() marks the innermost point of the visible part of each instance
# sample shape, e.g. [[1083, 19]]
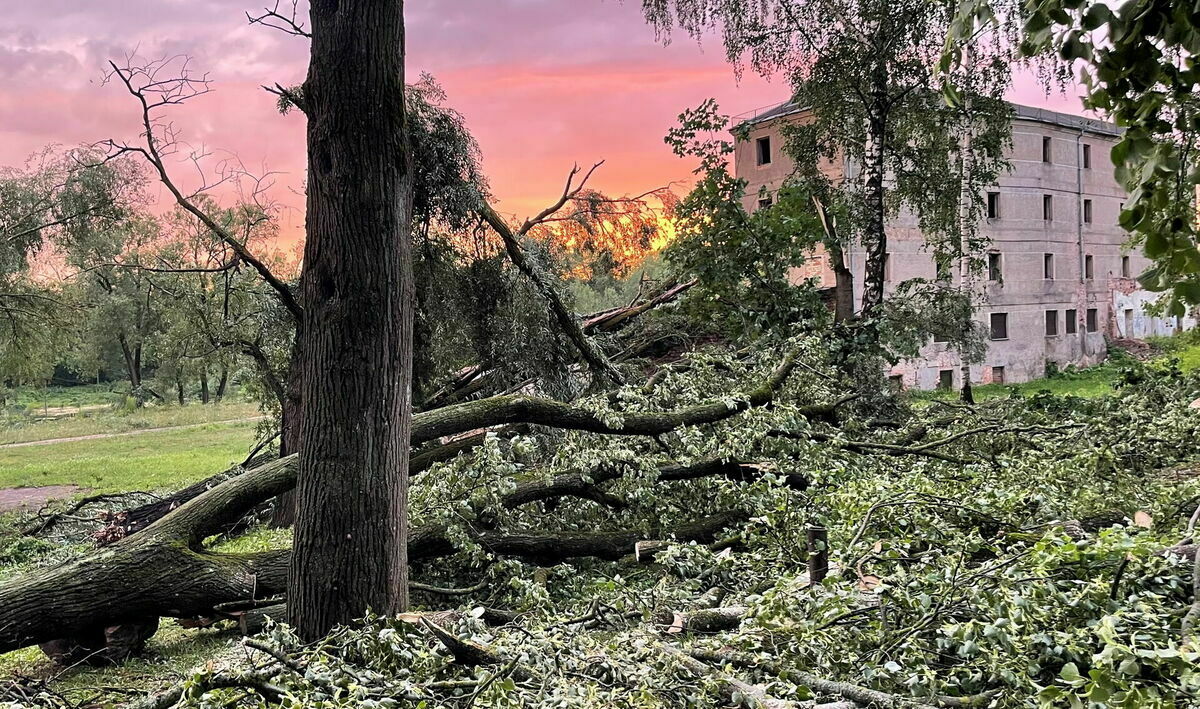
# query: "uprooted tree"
[[164, 571]]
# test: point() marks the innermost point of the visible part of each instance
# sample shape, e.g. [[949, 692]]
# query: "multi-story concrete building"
[[1058, 278]]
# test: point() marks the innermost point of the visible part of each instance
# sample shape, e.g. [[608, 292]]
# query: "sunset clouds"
[[542, 83]]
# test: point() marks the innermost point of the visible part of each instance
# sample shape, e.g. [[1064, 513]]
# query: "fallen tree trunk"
[[164, 570], [585, 485], [127, 522], [522, 410]]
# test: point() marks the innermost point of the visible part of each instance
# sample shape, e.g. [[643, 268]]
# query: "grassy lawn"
[[1087, 383], [149, 461], [22, 429], [171, 654], [63, 396]]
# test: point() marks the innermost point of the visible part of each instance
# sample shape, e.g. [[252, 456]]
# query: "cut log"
[[703, 620]]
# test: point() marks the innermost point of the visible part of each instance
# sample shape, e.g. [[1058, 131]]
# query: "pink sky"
[[542, 83]]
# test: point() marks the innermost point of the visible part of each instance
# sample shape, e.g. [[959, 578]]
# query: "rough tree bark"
[[351, 526], [874, 236], [843, 279], [290, 421]]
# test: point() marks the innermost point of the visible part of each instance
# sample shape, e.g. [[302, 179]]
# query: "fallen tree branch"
[[853, 692], [583, 484], [588, 350], [751, 695], [258, 680], [616, 318], [499, 410]]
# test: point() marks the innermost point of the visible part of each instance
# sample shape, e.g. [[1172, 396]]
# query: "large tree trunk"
[[204, 395], [874, 236], [352, 488]]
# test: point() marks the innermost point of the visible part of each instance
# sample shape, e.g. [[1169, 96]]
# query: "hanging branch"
[[153, 92]]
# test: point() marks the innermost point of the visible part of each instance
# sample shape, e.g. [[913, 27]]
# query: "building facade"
[[1058, 278]]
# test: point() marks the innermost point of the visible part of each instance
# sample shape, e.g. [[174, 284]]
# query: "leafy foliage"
[[745, 262], [864, 78], [951, 576]]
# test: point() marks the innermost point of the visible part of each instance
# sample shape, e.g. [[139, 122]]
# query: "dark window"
[[993, 205], [1048, 266], [994, 270], [946, 379], [1087, 155], [764, 203], [940, 337], [1093, 320], [896, 382], [997, 375], [999, 330], [941, 267], [1128, 322], [1087, 211], [1051, 323], [1047, 207], [764, 150], [1125, 270], [1046, 150], [1072, 321], [1089, 270]]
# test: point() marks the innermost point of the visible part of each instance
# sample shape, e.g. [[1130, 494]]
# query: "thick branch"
[[588, 350], [498, 410]]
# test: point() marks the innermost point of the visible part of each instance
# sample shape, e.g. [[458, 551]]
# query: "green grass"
[[150, 461], [23, 429], [1087, 383], [172, 653], [63, 396]]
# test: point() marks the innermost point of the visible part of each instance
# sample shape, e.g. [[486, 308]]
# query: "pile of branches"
[[652, 546]]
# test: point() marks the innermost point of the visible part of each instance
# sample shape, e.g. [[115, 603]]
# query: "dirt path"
[[138, 432], [32, 497]]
